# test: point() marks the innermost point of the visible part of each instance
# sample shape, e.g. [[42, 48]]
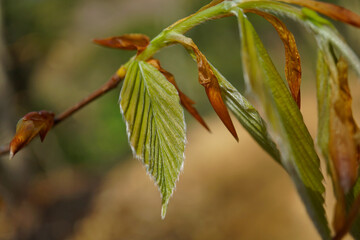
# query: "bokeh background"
[[83, 184]]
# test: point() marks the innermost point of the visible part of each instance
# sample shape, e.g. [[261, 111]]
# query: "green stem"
[[184, 25], [222, 9]]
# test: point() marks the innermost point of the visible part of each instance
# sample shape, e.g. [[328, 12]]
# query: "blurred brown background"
[[82, 182]]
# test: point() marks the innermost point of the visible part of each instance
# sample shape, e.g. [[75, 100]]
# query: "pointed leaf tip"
[[209, 81], [214, 95], [31, 125], [163, 210], [11, 155]]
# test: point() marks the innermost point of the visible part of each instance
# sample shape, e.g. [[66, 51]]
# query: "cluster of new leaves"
[[150, 102]]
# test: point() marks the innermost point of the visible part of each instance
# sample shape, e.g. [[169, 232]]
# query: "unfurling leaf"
[[293, 64], [28, 127], [333, 11], [285, 121], [208, 80], [185, 101], [343, 144], [132, 41], [323, 86], [337, 133], [155, 123]]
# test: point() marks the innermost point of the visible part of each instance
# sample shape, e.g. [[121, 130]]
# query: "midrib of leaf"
[[155, 124], [296, 145], [323, 98]]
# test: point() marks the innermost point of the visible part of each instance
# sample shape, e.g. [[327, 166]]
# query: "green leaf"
[[247, 115], [330, 34], [297, 150], [318, 25], [155, 123], [323, 97]]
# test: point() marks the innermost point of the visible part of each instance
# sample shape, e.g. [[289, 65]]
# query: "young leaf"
[[324, 98], [155, 125], [319, 26], [298, 154], [247, 115], [132, 41], [28, 127], [337, 41], [293, 64], [343, 146], [333, 11], [209, 81], [185, 101], [323, 102]]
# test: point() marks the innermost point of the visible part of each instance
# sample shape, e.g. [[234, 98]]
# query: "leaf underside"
[[297, 150], [209, 81], [247, 115], [155, 124]]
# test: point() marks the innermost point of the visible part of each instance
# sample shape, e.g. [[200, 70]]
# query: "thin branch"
[[111, 84], [351, 217]]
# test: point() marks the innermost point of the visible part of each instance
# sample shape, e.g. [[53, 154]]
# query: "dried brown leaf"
[[293, 64], [31, 125], [208, 80], [185, 101], [333, 11], [132, 41], [343, 145]]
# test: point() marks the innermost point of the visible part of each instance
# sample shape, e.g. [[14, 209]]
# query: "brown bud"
[[31, 125]]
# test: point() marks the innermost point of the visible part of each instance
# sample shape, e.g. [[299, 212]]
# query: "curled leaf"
[[293, 64], [343, 145], [337, 130], [132, 41], [185, 101], [31, 125], [333, 11], [209, 81]]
